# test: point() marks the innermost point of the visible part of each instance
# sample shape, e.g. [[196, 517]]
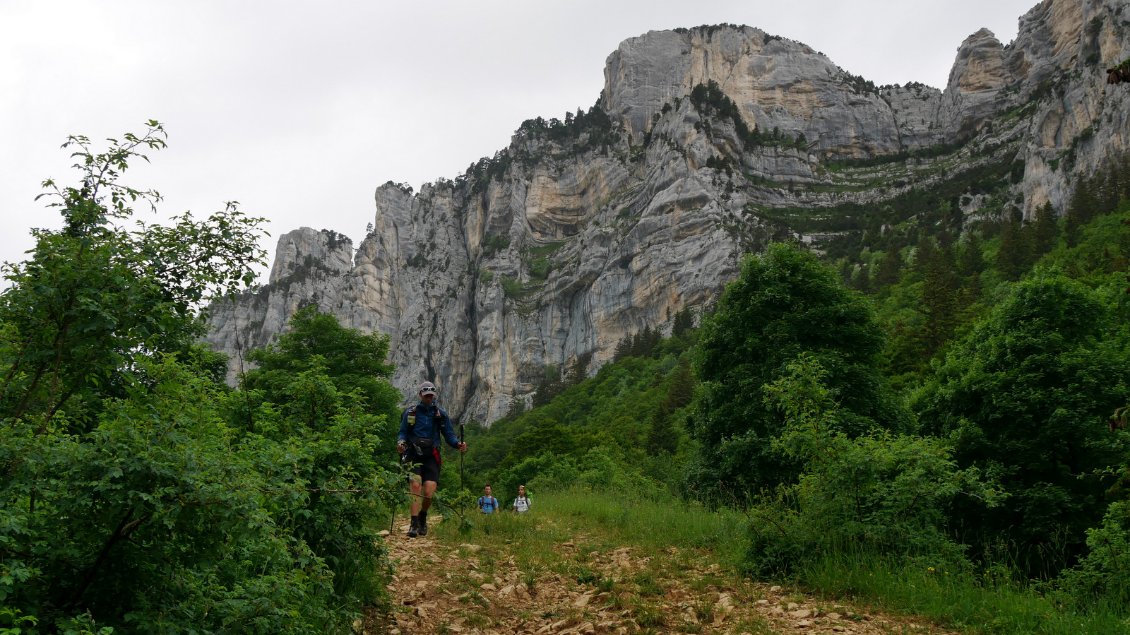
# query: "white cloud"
[[300, 109]]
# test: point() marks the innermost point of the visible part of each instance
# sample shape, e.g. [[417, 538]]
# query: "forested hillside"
[[958, 402]]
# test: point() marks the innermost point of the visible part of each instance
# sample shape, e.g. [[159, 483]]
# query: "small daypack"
[[423, 446]]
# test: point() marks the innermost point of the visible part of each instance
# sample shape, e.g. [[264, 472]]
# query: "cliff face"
[[585, 231]]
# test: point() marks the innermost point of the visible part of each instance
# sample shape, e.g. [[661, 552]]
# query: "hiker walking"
[[487, 503], [421, 427], [522, 503]]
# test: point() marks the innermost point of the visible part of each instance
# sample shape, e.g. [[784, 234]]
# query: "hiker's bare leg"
[[416, 490], [429, 491]]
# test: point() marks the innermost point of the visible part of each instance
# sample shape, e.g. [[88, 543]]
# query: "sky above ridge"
[[299, 110]]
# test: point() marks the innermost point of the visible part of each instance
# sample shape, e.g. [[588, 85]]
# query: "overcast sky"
[[300, 109]]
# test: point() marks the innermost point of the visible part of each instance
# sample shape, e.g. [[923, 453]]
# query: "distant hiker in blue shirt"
[[487, 503], [421, 426]]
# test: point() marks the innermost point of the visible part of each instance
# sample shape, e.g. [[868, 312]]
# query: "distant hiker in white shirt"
[[522, 503]]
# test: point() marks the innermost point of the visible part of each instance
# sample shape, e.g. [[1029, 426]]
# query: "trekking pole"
[[461, 482]]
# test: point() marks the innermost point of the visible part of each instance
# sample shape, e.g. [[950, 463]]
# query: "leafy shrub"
[[783, 304], [155, 515], [881, 493], [140, 494], [1101, 575], [1026, 395]]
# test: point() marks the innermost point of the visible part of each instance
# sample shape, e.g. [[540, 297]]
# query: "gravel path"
[[464, 588]]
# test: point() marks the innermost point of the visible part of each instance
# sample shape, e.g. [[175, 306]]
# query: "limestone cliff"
[[705, 144]]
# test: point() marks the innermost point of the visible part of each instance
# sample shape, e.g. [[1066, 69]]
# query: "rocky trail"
[[453, 584]]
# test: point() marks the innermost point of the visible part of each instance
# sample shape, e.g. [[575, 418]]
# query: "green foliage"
[[903, 219], [539, 268], [583, 131], [639, 344], [494, 243], [317, 348], [1101, 575], [95, 297], [513, 289], [784, 303], [1026, 395], [320, 398], [153, 521], [711, 101], [624, 426], [140, 494], [882, 493]]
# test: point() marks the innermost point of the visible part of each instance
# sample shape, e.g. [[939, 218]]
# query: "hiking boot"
[[422, 526], [413, 528]]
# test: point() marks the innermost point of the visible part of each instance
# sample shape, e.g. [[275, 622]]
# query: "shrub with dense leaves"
[[1101, 575], [784, 303], [881, 494], [1026, 396], [129, 500]]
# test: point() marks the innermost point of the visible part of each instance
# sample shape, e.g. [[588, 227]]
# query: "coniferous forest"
[[954, 403]]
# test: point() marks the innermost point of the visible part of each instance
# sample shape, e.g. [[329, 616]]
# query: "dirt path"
[[465, 588]]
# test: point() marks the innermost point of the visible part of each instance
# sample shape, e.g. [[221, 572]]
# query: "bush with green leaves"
[[327, 365], [128, 499], [1100, 577], [881, 494], [154, 521], [783, 304], [1026, 395], [95, 296], [320, 404], [632, 410]]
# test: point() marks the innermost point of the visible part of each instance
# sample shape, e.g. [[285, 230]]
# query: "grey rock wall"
[[563, 245]]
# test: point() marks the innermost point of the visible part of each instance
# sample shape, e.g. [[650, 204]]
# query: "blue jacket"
[[424, 425]]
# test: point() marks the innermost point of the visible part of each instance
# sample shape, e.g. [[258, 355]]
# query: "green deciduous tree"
[[94, 296], [1026, 395], [328, 365], [127, 497], [784, 303], [1101, 574]]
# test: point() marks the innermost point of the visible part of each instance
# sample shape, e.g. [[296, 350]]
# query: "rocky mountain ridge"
[[705, 144]]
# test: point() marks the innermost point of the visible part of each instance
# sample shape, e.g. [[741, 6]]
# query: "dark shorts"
[[425, 466]]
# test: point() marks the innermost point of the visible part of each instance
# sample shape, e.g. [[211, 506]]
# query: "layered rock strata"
[[583, 232]]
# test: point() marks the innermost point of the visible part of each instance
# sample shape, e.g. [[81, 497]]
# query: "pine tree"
[[939, 295], [623, 348], [1081, 210], [684, 322], [548, 386], [578, 370], [1012, 257], [970, 265], [1045, 231], [890, 269]]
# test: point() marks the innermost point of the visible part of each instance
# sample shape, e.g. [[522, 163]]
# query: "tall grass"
[[655, 524], [963, 600]]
